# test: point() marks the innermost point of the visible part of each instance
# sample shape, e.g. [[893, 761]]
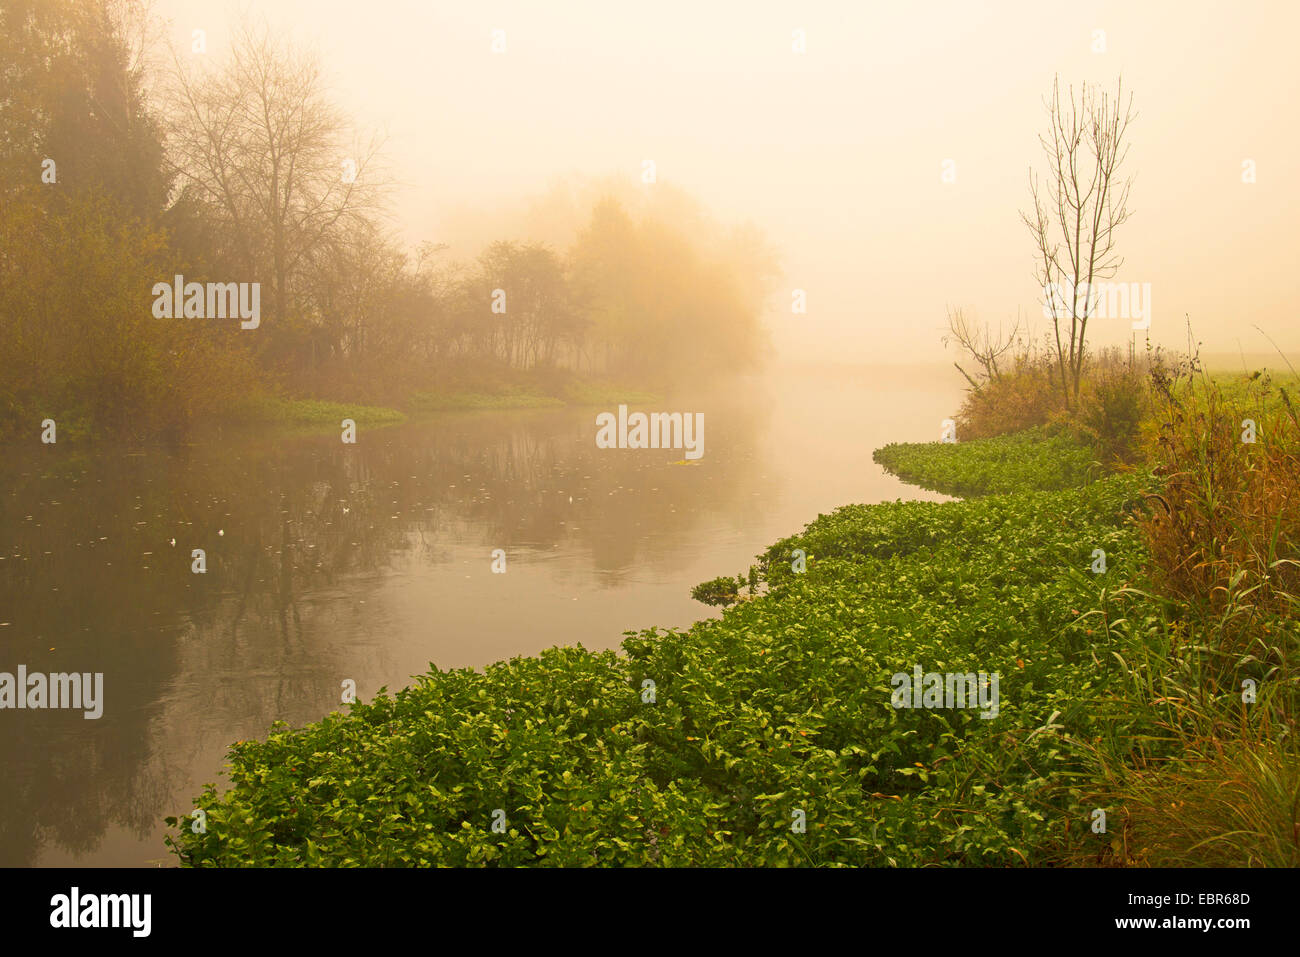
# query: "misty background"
[[836, 154], [371, 561]]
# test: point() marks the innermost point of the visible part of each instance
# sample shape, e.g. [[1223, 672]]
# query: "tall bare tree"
[[1076, 213], [258, 144]]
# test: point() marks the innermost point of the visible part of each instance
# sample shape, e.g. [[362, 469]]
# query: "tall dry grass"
[[1114, 400], [1226, 529], [1207, 773]]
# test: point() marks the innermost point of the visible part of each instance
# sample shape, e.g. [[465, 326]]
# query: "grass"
[[1215, 778], [606, 395], [457, 401], [574, 392], [312, 414]]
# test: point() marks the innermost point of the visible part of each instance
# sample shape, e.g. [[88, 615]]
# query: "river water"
[[328, 562]]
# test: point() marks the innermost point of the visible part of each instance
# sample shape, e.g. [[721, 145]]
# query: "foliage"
[[439, 402], [1114, 403], [1210, 780], [723, 590], [238, 179], [726, 590], [1112, 697], [1107, 414], [274, 410], [73, 92], [80, 345], [782, 705], [1210, 650], [1229, 512], [607, 394], [1032, 459], [1022, 398]]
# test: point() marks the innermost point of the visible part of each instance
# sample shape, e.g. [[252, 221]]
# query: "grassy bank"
[[309, 414], [271, 411], [574, 392], [462, 401]]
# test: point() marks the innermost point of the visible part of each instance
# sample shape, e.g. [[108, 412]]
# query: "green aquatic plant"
[[1036, 459], [768, 736]]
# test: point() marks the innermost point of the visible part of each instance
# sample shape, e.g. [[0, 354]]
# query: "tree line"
[[123, 165]]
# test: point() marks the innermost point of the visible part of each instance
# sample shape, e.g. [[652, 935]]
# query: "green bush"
[[1115, 401], [723, 590]]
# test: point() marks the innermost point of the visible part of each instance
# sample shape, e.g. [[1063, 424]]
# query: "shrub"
[[1023, 398], [1114, 401], [723, 590]]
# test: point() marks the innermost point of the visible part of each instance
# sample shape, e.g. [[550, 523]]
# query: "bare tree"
[[259, 145], [1076, 213], [982, 344]]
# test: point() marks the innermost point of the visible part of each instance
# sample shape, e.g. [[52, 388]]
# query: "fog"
[[836, 153], [261, 460]]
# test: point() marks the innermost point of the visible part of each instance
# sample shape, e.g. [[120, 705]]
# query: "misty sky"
[[836, 154]]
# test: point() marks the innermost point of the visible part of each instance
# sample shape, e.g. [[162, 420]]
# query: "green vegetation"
[[530, 390], [1214, 662], [309, 413], [570, 392], [783, 704], [1120, 690], [1208, 631], [131, 175], [1033, 459], [453, 401], [606, 395], [725, 590]]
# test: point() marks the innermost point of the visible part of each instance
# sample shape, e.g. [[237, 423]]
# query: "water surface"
[[328, 562]]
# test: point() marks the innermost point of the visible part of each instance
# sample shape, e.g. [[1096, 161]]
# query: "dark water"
[[328, 562]]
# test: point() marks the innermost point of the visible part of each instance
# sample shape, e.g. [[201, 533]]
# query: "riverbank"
[[781, 734], [320, 415], [705, 746], [276, 411], [303, 415]]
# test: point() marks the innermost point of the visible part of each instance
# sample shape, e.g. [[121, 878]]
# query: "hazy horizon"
[[836, 154]]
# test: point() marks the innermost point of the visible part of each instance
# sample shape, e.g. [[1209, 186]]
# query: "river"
[[328, 563]]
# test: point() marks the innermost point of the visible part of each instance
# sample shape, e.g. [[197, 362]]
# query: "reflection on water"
[[328, 562]]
